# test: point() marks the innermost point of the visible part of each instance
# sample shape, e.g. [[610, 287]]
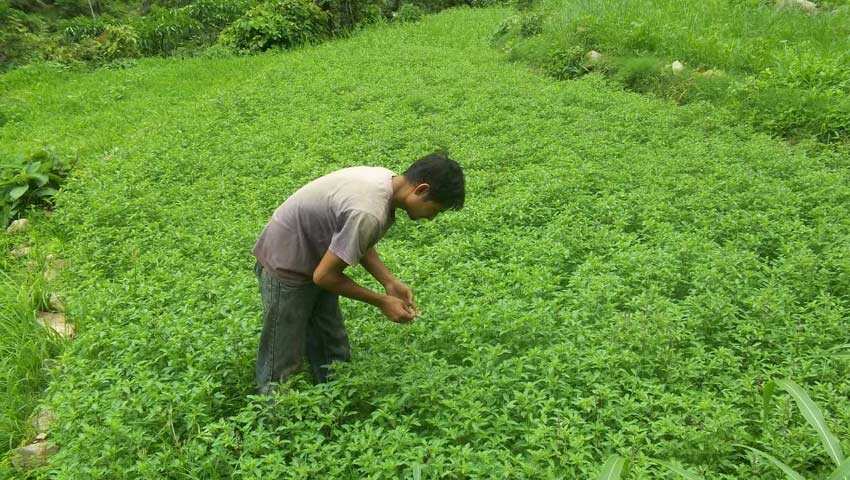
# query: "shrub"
[[31, 181], [277, 23], [409, 13], [566, 63], [432, 6], [78, 28], [642, 74], [18, 43], [346, 15], [165, 29], [74, 8], [217, 14], [531, 24], [117, 41]]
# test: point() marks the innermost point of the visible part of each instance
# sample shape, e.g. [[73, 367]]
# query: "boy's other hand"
[[397, 309], [399, 290]]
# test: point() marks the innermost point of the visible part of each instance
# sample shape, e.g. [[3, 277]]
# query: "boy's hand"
[[401, 291], [396, 309]]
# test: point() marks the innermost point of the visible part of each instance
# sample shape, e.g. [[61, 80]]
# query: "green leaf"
[[46, 192], [785, 468], [17, 192], [836, 352], [613, 468], [687, 474], [814, 416], [40, 178], [842, 472], [33, 167], [767, 396]]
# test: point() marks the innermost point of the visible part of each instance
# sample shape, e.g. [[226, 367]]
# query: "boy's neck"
[[401, 188]]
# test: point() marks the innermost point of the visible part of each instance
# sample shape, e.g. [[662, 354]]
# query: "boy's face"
[[417, 207]]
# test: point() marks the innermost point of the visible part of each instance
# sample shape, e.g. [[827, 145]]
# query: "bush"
[[346, 15], [74, 8], [217, 14], [26, 182], [117, 41], [409, 13], [432, 6], [18, 43], [531, 24], [165, 29], [78, 28], [566, 63], [277, 23]]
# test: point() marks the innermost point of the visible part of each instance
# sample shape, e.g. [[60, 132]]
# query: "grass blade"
[[837, 353], [686, 474], [613, 468], [814, 416], [785, 468], [842, 472], [767, 397]]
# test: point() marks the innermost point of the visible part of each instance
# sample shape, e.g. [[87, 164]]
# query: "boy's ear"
[[422, 189]]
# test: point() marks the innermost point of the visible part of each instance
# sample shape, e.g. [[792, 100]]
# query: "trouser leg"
[[287, 311], [327, 339]]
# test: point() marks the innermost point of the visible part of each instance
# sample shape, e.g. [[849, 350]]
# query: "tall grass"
[[737, 36], [24, 347], [782, 70]]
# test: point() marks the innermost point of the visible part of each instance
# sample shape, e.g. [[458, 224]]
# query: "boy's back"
[[346, 211]]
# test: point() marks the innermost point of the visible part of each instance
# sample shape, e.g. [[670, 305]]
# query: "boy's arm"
[[394, 287], [329, 276]]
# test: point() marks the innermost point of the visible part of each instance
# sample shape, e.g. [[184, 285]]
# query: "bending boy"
[[326, 226]]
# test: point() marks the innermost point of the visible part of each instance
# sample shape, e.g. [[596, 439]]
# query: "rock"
[[43, 421], [56, 322], [804, 5], [677, 67], [18, 226], [21, 251], [593, 56], [56, 303], [54, 266], [33, 455]]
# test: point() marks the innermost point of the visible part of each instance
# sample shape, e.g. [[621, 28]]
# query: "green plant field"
[[784, 71], [626, 275], [25, 347]]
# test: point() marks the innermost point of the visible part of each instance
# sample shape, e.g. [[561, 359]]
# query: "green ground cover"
[[626, 275], [782, 70], [24, 345]]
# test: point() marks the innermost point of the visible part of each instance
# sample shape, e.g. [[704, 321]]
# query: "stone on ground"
[[804, 5], [18, 226], [56, 322], [33, 455]]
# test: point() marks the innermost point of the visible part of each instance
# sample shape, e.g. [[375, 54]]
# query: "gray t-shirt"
[[346, 212]]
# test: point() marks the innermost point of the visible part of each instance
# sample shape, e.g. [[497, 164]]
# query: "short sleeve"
[[359, 232]]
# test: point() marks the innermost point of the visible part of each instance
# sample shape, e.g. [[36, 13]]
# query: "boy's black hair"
[[445, 177]]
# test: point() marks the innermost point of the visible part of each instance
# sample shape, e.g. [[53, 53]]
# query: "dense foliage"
[[105, 32], [27, 182], [626, 276], [783, 70]]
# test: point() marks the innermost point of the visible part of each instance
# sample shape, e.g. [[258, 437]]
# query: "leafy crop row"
[[625, 278]]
